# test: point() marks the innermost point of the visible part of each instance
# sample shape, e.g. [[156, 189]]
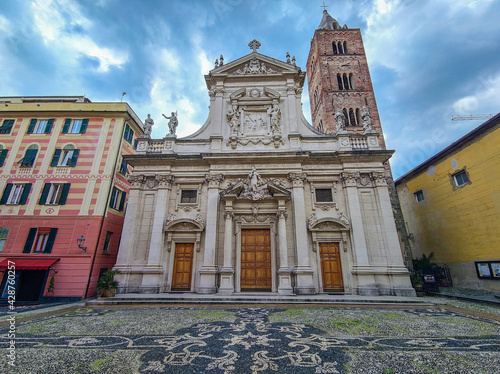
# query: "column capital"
[[164, 181], [136, 181], [297, 179], [214, 180], [228, 214], [380, 178], [350, 179], [282, 214]]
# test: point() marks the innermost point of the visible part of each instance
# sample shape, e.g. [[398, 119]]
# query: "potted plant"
[[107, 285], [50, 288]]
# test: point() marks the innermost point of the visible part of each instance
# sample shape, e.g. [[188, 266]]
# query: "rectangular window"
[[3, 155], [4, 232], [7, 126], [324, 195], [54, 194], [461, 178], [128, 134], [66, 157], [419, 195], [188, 196], [40, 126], [117, 200], [15, 193], [75, 126], [123, 168], [107, 242], [40, 240]]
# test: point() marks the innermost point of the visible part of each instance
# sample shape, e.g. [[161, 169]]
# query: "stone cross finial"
[[254, 44], [324, 6]]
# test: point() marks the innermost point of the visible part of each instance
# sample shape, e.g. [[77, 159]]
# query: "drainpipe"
[[105, 211]]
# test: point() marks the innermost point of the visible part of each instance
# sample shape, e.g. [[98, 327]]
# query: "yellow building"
[[451, 205]]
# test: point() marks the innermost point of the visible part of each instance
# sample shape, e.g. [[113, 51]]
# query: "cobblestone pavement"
[[276, 339]]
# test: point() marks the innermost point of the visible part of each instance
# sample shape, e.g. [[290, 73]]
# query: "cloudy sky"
[[429, 59]]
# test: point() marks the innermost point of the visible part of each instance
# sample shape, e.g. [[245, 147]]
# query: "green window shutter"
[[113, 197], [83, 128], [30, 240], [127, 131], [31, 127], [3, 155], [48, 129], [26, 192], [74, 158], [6, 193], [55, 159], [50, 241], [45, 192], [122, 202], [64, 194], [67, 123]]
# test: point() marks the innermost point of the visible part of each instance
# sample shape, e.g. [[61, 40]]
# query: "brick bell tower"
[[339, 79]]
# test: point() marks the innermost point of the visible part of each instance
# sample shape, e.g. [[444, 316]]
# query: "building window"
[[107, 242], [15, 194], [320, 127], [40, 240], [75, 126], [324, 195], [40, 126], [345, 82], [54, 194], [3, 155], [128, 134], [123, 168], [117, 200], [188, 196], [419, 196], [339, 48], [460, 178], [29, 157], [68, 156], [4, 232], [7, 126]]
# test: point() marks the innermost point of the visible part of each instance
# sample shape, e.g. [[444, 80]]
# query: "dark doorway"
[[30, 285]]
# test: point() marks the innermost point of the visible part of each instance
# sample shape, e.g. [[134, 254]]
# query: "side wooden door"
[[183, 266], [331, 269], [256, 260]]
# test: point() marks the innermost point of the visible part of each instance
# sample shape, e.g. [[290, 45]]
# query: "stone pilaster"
[[400, 280], [153, 271], [362, 269], [130, 226], [208, 272], [284, 273], [227, 271], [303, 270]]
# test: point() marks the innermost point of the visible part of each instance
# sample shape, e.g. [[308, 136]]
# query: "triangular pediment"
[[255, 64]]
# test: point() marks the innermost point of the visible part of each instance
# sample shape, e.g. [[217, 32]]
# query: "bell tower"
[[340, 87]]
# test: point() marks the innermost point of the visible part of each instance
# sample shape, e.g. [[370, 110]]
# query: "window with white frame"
[[40, 126], [419, 196], [68, 156], [107, 242], [75, 126], [117, 200], [15, 193], [4, 232], [460, 178], [7, 126]]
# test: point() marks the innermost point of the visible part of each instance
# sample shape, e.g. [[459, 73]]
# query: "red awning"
[[28, 263]]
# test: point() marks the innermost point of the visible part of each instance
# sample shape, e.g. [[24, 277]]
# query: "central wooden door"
[[183, 266], [331, 269], [256, 260]]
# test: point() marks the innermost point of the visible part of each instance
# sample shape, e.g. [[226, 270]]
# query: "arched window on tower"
[[344, 48], [351, 85], [312, 65], [335, 50], [358, 116], [339, 80], [346, 82], [352, 118], [346, 116]]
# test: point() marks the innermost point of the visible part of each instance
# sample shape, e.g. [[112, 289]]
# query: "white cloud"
[[53, 28], [486, 95]]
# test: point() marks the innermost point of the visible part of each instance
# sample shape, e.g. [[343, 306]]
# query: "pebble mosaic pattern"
[[252, 340]]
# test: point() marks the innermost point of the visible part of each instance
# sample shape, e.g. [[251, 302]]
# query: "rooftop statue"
[[172, 123]]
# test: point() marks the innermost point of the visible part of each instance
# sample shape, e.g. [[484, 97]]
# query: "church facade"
[[258, 200]]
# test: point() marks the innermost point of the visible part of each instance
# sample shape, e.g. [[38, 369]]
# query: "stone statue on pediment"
[[340, 119], [366, 119], [172, 123], [233, 118], [148, 125], [276, 119]]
